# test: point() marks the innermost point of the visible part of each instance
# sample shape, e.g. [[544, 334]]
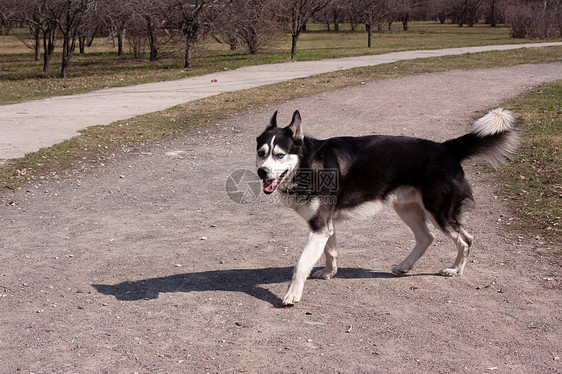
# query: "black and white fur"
[[421, 179]]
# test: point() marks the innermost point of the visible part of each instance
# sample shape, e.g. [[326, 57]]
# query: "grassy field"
[[22, 79], [533, 179]]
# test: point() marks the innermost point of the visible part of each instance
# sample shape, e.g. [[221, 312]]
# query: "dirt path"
[[145, 265]]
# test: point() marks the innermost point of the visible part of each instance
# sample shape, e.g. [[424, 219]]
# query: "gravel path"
[[145, 265]]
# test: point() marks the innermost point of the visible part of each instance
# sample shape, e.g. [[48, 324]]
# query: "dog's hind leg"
[[331, 252], [414, 216], [463, 241], [452, 226], [317, 241]]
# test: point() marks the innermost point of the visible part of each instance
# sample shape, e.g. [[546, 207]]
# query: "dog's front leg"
[[310, 255]]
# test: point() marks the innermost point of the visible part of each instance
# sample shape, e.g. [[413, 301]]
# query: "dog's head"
[[278, 151]]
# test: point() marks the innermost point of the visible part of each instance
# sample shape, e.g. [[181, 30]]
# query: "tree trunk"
[[404, 20], [120, 41], [335, 15], [49, 38], [46, 60], [65, 48], [369, 35], [189, 43], [68, 47], [352, 22], [294, 40], [151, 39], [91, 36], [82, 44], [37, 44], [253, 41], [493, 21], [462, 18]]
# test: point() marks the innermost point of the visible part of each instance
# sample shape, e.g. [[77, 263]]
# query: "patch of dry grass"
[[533, 180]]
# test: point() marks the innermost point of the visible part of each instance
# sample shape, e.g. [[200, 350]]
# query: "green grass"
[[22, 79], [420, 35], [533, 180]]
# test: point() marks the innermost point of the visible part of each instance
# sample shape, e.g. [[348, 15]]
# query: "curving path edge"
[[28, 126]]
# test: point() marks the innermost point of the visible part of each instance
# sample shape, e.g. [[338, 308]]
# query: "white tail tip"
[[495, 122]]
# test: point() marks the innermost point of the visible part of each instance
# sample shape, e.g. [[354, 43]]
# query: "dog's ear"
[[273, 121], [296, 127]]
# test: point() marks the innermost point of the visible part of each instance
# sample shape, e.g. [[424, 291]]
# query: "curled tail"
[[493, 138]]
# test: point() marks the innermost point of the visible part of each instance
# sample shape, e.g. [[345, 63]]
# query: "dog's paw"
[[324, 274], [293, 296], [399, 270], [290, 300], [449, 272]]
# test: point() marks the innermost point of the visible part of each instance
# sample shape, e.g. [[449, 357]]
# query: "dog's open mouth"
[[269, 185]]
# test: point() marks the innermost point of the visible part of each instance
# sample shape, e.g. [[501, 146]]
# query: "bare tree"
[[533, 18], [439, 9], [250, 22], [373, 13], [116, 20], [465, 11], [491, 12], [140, 21], [34, 14], [7, 15], [352, 14], [473, 11], [69, 16], [90, 27], [153, 16], [191, 18], [295, 14], [334, 13], [46, 17], [13, 11], [402, 9]]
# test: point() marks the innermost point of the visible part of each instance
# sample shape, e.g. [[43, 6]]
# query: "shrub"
[[534, 19]]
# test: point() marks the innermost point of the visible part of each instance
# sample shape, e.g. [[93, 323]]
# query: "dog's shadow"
[[248, 281]]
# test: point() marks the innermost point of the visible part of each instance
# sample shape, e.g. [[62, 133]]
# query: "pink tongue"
[[269, 185]]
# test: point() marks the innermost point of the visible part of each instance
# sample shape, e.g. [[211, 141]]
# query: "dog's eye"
[[261, 153], [280, 155]]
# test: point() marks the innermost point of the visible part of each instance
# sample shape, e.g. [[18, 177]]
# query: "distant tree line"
[[155, 28], [543, 17]]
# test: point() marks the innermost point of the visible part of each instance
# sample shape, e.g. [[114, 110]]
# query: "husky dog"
[[346, 177]]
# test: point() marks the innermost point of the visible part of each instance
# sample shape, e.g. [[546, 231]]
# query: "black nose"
[[262, 173]]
